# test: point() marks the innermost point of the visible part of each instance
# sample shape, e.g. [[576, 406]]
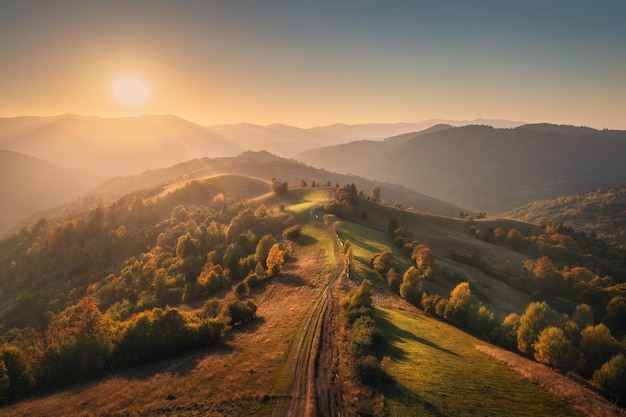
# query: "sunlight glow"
[[130, 91]]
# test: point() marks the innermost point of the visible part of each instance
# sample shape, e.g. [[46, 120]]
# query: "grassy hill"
[[487, 169], [602, 212], [425, 358]]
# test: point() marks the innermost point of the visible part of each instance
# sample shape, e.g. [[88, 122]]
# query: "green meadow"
[[435, 370]]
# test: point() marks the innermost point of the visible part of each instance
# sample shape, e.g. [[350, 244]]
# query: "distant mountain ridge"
[[115, 146], [487, 169], [28, 184]]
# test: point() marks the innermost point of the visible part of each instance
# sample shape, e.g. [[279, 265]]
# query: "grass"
[[365, 243], [436, 370]]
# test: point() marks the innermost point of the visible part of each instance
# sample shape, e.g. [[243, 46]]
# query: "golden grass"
[[559, 385], [436, 371]]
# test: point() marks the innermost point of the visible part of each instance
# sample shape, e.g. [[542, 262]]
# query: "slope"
[[28, 184], [267, 166], [433, 367], [117, 146], [602, 212], [487, 169]]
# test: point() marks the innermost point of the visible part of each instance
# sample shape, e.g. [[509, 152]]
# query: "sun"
[[130, 91]]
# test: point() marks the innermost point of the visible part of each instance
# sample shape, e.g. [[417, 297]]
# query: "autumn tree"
[[376, 193], [411, 287], [458, 308], [263, 248], [538, 316], [597, 346], [394, 279], [611, 377], [275, 260], [583, 316], [359, 303], [383, 262], [425, 260], [554, 349]]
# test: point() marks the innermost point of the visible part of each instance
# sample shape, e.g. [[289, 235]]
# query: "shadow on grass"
[[401, 394], [358, 241], [292, 280], [306, 240], [395, 334]]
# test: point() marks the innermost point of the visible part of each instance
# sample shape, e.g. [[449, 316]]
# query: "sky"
[[312, 63]]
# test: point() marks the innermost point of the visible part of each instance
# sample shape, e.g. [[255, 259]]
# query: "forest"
[[108, 289]]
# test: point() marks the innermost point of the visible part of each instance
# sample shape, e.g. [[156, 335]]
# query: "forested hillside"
[[102, 290], [486, 169], [602, 212]]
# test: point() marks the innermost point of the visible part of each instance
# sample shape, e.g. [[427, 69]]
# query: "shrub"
[[292, 232], [368, 370], [240, 311]]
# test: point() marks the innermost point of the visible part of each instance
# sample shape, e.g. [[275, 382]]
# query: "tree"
[[376, 193], [242, 290], [458, 308], [292, 232], [263, 248], [583, 316], [359, 302], [597, 346], [394, 279], [187, 246], [538, 316], [20, 378], [611, 377], [411, 287], [383, 262], [425, 260], [240, 311], [508, 330], [279, 187], [275, 260], [554, 349]]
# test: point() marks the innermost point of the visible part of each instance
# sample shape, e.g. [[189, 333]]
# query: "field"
[[436, 370]]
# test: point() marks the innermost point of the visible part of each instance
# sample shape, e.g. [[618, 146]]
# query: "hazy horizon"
[[316, 64]]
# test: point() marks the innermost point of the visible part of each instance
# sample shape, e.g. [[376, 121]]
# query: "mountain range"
[[471, 167], [482, 168]]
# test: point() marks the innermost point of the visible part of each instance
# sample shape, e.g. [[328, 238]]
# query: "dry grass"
[[235, 378], [559, 385]]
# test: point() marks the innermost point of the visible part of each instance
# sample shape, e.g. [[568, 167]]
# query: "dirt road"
[[307, 389]]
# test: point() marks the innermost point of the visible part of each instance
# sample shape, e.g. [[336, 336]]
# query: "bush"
[[368, 370], [240, 311], [292, 232]]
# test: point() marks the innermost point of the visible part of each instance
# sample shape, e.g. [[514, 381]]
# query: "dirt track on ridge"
[[312, 356]]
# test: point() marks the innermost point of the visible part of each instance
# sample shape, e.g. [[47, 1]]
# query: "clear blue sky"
[[310, 63]]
